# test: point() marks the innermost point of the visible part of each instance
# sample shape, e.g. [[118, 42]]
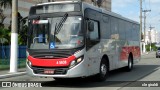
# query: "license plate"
[[48, 71]]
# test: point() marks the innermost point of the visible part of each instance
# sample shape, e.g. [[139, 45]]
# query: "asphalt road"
[[148, 69]]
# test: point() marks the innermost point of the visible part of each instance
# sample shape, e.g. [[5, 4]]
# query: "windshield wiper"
[[60, 24]]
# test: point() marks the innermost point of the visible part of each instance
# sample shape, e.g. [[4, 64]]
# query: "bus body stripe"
[[126, 50]]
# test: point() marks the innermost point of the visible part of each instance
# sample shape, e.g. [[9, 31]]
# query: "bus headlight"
[[29, 63], [75, 62]]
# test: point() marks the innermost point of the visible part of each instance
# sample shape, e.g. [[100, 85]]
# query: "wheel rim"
[[130, 64], [103, 69]]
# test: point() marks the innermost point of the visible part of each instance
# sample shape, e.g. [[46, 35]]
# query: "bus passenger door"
[[92, 45], [115, 38]]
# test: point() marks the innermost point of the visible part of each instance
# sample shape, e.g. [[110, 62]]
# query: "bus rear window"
[[54, 8]]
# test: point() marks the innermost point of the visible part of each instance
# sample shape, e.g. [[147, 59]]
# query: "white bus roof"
[[102, 10]]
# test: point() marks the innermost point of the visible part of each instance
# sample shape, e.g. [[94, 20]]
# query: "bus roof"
[[102, 10]]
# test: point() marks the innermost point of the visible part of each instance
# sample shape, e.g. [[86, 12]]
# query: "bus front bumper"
[[79, 70]]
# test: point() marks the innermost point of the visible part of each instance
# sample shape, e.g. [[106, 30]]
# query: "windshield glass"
[[45, 35]]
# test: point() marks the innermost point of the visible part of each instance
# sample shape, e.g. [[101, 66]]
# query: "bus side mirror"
[[90, 26]]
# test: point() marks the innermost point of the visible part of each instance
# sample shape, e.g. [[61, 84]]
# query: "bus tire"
[[104, 71], [130, 64]]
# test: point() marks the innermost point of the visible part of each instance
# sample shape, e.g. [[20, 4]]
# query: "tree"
[[22, 37], [5, 3], [5, 35], [22, 34], [2, 17]]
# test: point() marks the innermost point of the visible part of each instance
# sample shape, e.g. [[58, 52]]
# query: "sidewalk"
[[146, 53], [7, 74]]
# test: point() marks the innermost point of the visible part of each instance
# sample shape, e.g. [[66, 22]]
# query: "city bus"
[[70, 39]]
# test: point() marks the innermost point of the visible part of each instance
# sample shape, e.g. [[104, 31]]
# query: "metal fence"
[[5, 52]]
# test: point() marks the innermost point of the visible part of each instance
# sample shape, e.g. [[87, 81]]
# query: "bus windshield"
[[43, 34]]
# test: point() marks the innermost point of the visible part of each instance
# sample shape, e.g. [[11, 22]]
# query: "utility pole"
[[155, 36], [14, 38], [150, 36], [140, 25], [145, 11]]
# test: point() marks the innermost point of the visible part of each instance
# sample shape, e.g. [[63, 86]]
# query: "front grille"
[[57, 71]]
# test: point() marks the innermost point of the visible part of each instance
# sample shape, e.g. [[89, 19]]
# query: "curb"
[[12, 75]]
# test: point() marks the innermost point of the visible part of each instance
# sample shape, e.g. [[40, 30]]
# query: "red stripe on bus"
[[126, 50], [51, 62]]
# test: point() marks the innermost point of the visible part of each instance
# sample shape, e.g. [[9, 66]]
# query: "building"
[[104, 4], [24, 5], [152, 36]]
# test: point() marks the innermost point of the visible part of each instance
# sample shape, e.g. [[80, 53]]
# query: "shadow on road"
[[117, 78]]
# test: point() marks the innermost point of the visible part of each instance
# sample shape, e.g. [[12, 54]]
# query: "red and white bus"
[[71, 39]]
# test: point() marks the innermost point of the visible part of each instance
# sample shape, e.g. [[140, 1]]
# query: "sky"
[[131, 9]]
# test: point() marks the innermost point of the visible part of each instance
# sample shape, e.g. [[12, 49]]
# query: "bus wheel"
[[104, 71], [130, 64]]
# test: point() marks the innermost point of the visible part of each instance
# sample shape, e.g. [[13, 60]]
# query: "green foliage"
[[153, 47], [22, 37], [2, 17], [22, 34], [5, 33]]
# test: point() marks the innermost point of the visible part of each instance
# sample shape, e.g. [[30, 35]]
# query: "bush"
[[153, 47], [5, 34]]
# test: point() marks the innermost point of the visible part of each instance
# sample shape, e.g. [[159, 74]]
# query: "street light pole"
[[140, 25], [14, 38], [144, 47]]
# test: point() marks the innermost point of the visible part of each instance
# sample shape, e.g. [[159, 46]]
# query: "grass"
[[5, 63]]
